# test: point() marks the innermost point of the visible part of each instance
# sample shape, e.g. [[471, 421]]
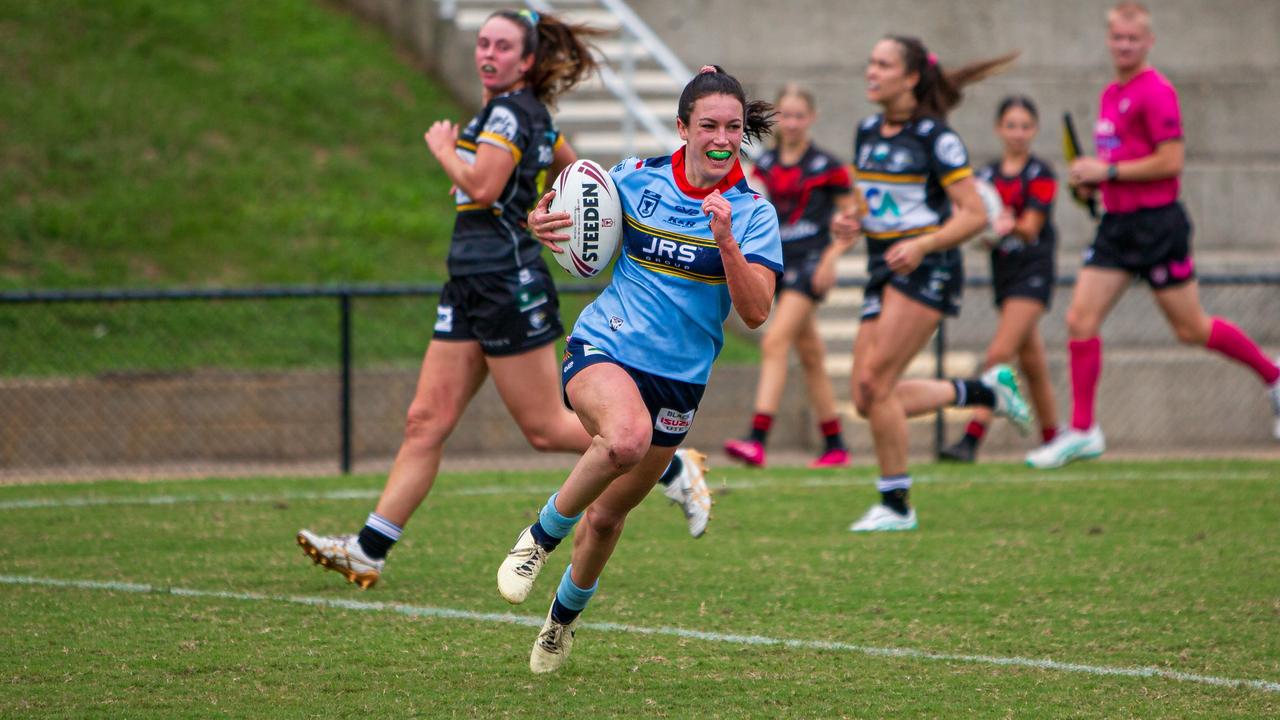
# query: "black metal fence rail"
[[344, 295]]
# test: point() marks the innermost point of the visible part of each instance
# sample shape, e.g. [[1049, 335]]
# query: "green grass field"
[[1099, 568]]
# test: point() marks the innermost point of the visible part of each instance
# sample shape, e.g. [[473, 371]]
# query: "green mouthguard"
[[719, 154]]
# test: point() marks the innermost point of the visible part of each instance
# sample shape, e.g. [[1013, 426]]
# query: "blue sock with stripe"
[[570, 600], [552, 527]]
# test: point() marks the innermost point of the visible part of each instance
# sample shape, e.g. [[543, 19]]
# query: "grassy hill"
[[212, 143], [146, 143]]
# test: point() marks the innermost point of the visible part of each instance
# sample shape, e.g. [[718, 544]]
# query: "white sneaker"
[[520, 568], [1069, 445], [689, 491], [343, 554], [881, 519], [551, 649], [1003, 381]]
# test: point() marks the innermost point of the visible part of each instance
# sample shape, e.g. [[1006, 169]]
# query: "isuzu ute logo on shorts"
[[674, 421]]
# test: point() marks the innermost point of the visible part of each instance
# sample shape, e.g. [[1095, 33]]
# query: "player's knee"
[[1191, 333], [426, 425], [540, 440], [774, 344], [1080, 325], [867, 391], [603, 521], [626, 447]]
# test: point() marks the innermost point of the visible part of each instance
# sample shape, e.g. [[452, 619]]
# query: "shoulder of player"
[[1038, 168], [633, 165]]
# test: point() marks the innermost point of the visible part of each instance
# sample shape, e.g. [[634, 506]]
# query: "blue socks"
[[552, 527], [570, 600]]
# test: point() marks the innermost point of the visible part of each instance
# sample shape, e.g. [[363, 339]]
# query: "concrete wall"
[[1224, 58]]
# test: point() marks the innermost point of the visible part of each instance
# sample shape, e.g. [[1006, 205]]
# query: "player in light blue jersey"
[[698, 242]]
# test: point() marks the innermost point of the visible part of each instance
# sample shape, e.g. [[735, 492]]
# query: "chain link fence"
[[171, 383]]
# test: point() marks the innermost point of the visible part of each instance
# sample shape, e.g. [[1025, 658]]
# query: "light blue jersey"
[[664, 311]]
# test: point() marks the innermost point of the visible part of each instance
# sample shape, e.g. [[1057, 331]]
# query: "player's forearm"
[[1165, 162], [463, 176], [1029, 226], [749, 291], [961, 226]]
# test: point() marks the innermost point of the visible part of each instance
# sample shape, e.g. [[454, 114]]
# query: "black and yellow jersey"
[[493, 238]]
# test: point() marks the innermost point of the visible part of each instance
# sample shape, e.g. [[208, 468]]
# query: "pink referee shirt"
[[1133, 119]]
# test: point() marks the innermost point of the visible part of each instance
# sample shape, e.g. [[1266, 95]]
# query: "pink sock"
[[1086, 368], [1235, 344]]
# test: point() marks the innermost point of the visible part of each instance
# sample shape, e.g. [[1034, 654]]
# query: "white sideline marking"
[[810, 482], [525, 621]]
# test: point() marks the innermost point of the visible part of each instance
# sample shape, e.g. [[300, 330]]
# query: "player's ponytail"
[[757, 115], [938, 91], [562, 52]]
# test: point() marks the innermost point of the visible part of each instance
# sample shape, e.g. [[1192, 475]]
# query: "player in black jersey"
[[1022, 268], [914, 172], [806, 186], [498, 314]]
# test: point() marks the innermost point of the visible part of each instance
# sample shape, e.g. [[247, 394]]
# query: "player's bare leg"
[[812, 351], [529, 384], [450, 375], [785, 323], [1019, 318], [884, 348], [1096, 293], [1181, 306]]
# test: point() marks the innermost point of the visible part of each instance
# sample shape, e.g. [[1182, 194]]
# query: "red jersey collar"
[[677, 169]]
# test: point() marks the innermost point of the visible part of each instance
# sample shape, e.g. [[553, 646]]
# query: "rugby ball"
[[587, 193], [994, 205]]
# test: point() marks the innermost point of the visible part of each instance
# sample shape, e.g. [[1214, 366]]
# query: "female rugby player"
[[914, 172], [1022, 268], [806, 186], [640, 355], [498, 313]]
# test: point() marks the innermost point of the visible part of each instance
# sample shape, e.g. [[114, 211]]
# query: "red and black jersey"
[[804, 195], [1032, 189]]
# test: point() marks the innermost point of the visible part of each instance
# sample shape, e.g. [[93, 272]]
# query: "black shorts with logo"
[[1153, 244], [798, 268], [938, 283], [506, 312], [1022, 274], [671, 403]]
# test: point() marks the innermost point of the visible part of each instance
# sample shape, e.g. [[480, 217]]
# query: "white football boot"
[[1068, 446], [881, 519], [551, 649], [1002, 381], [689, 491], [342, 554], [520, 568]]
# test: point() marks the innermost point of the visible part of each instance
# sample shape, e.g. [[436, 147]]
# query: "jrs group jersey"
[[904, 179], [1133, 119], [493, 238], [665, 308], [804, 195]]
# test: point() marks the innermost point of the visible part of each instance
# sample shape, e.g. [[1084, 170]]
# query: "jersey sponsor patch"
[[444, 318], [950, 150], [673, 422]]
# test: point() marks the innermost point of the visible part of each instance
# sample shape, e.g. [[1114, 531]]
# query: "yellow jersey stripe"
[[891, 179], [477, 206], [668, 235], [559, 143], [956, 175], [677, 272], [466, 145], [903, 233], [494, 139]]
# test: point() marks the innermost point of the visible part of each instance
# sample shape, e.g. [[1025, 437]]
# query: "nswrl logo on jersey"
[[444, 318], [649, 201]]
